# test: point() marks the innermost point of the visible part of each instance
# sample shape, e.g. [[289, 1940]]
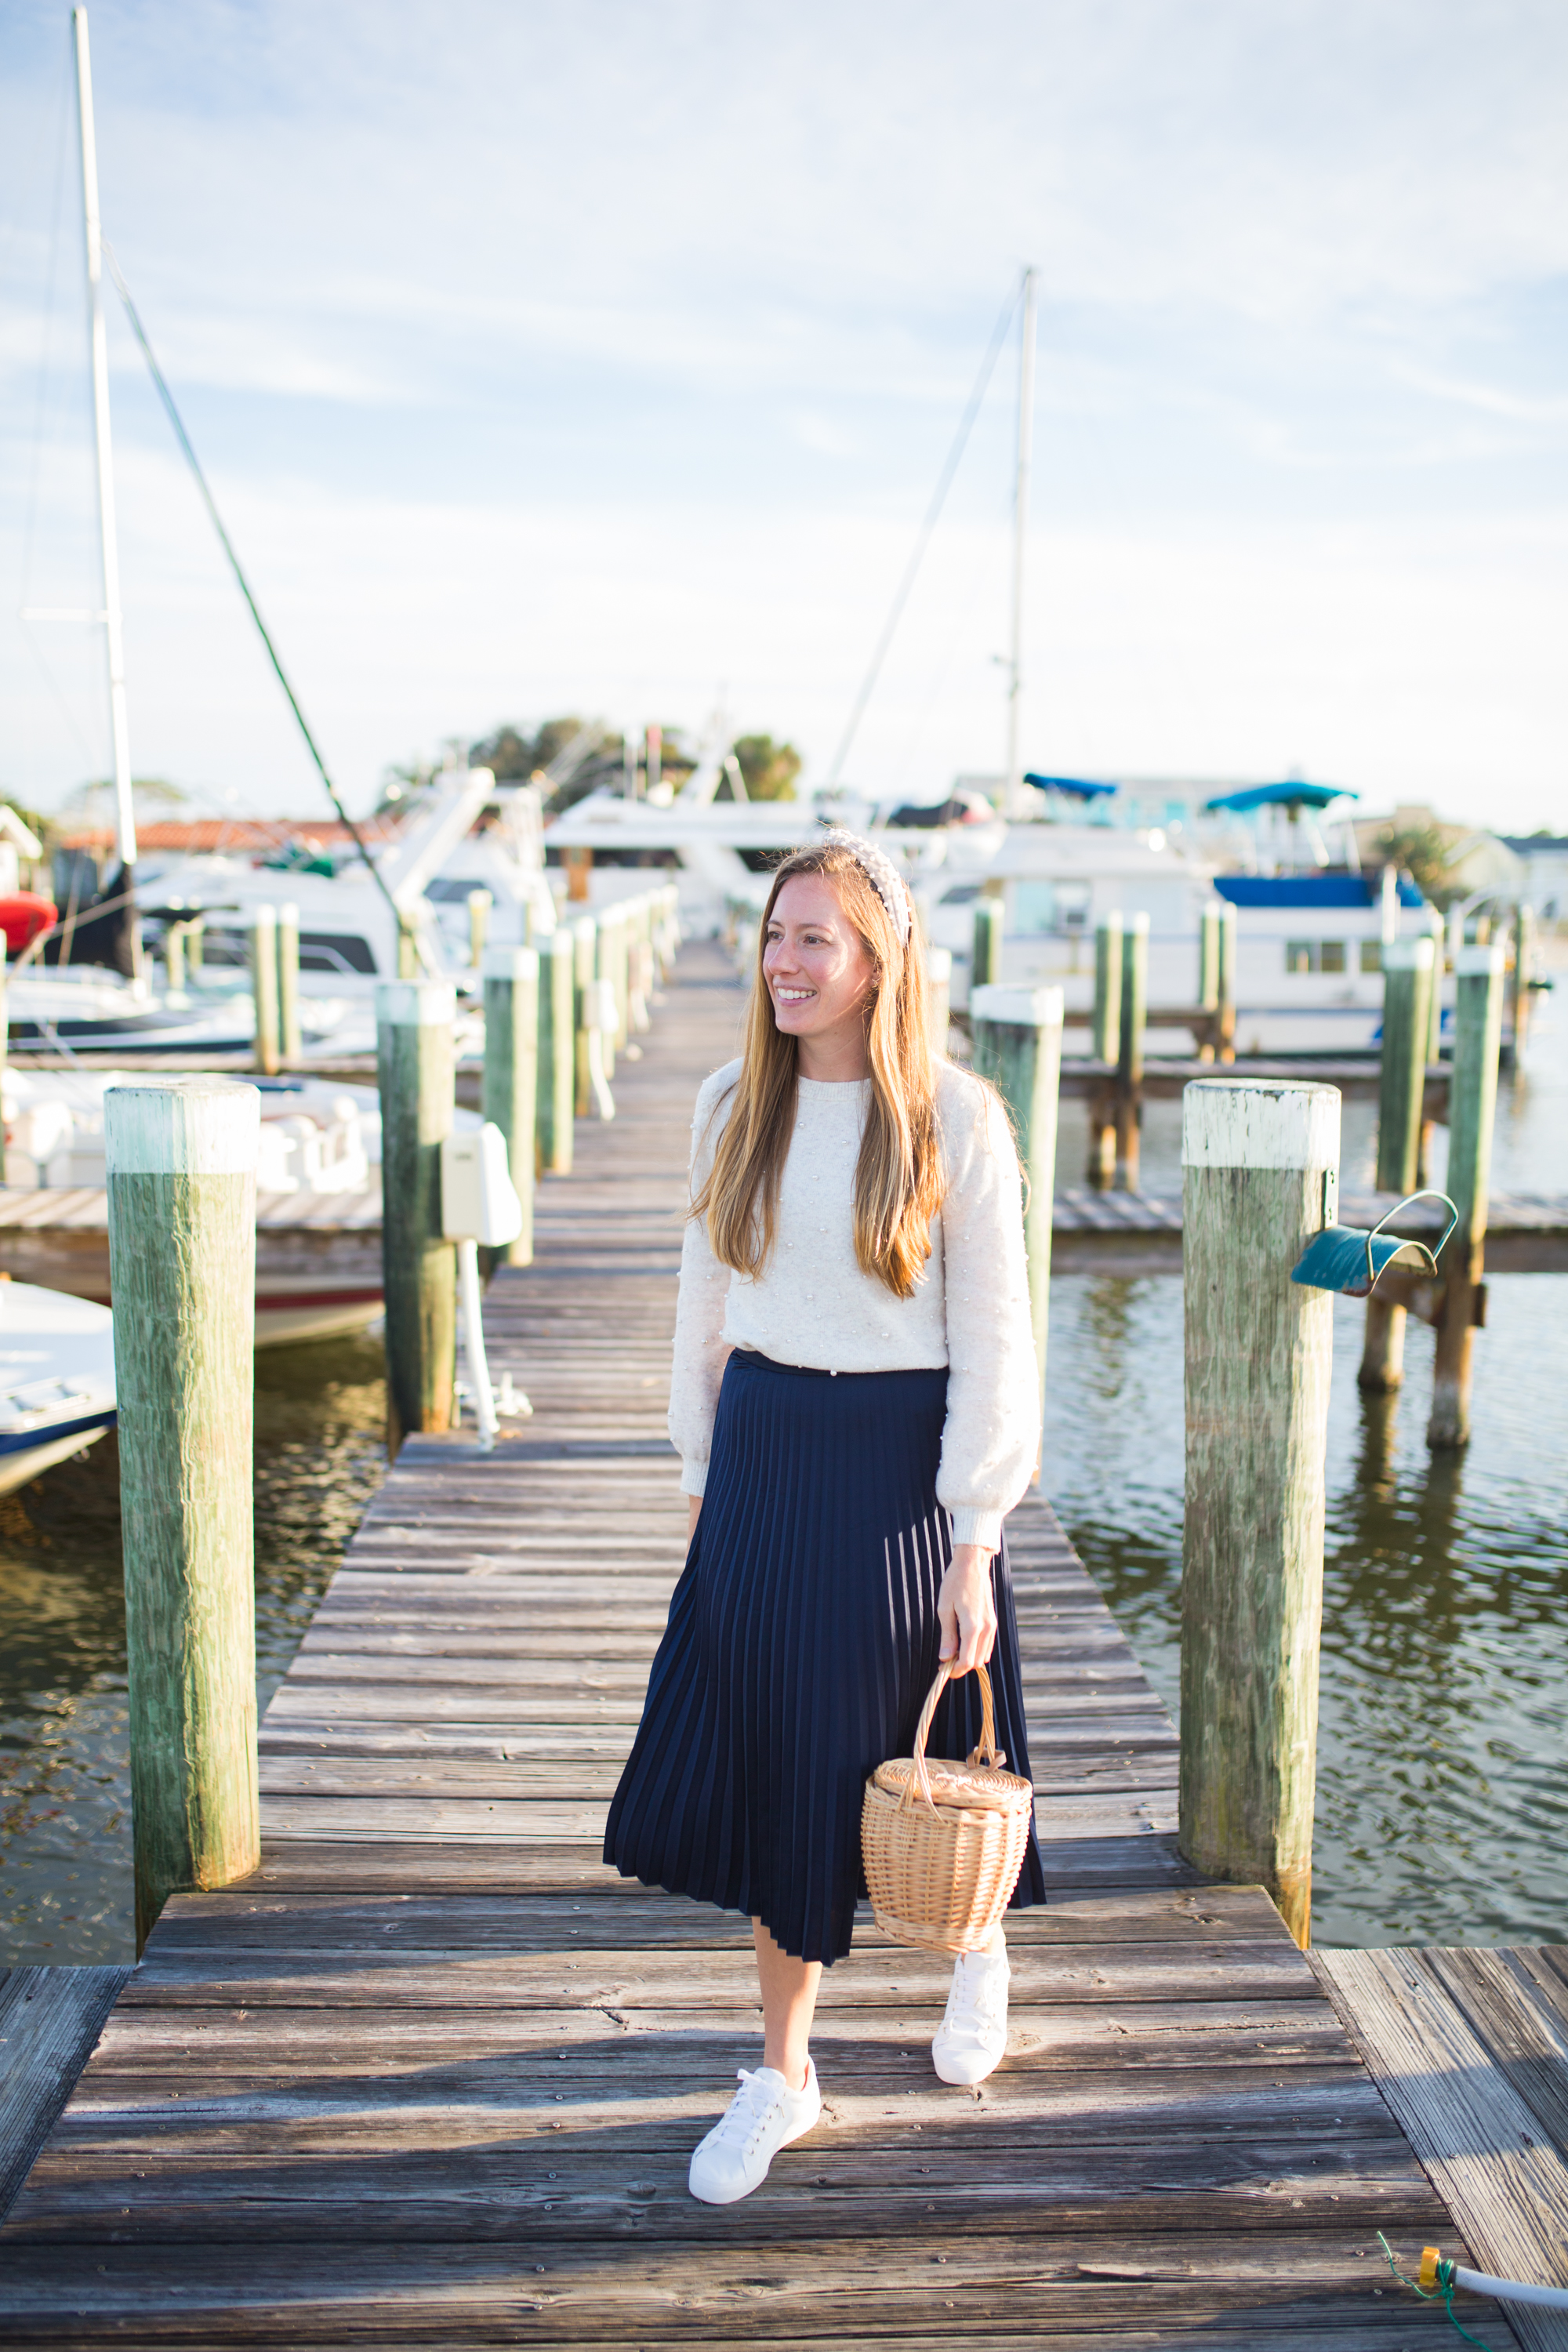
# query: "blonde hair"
[[897, 1178]]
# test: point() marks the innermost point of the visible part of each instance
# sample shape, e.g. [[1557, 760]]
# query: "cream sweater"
[[812, 1305]]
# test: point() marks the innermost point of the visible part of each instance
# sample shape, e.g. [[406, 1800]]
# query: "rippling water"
[[1441, 1812], [1441, 1796], [65, 1796]]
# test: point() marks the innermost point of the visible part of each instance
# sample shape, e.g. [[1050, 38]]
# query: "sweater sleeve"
[[990, 1442], [700, 1344]]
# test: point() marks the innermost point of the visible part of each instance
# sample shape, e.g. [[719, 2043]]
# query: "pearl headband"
[[882, 875]]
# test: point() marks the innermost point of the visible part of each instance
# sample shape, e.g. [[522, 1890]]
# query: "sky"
[[603, 359]]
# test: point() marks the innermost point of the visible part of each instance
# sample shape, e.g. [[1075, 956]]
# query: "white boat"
[[318, 1221], [57, 1379], [347, 934]]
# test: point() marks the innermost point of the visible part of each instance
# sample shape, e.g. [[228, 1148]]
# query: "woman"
[[854, 1401]]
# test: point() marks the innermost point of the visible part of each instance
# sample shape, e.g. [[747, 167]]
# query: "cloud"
[[596, 356]]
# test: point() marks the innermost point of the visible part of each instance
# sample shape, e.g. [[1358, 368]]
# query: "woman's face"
[[818, 969]]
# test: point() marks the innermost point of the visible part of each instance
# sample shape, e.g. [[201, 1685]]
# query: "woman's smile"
[[819, 977]]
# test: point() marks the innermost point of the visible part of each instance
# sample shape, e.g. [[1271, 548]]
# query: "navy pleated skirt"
[[802, 1639]]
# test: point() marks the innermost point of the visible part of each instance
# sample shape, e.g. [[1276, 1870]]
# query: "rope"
[[922, 538], [1443, 2294], [183, 438]]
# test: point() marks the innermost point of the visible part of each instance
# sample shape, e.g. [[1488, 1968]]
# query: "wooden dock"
[[432, 2075]]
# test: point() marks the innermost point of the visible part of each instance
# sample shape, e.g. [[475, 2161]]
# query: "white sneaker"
[[972, 2034], [763, 2116]]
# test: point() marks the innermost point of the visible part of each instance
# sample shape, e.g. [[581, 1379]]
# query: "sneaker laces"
[[748, 2111], [978, 1996]]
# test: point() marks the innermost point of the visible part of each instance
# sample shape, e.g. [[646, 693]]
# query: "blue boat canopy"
[[1074, 785], [1291, 796], [1310, 890]]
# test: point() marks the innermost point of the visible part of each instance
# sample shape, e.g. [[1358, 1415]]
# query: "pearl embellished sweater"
[[811, 1305]]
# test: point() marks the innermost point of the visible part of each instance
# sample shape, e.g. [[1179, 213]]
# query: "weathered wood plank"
[[1482, 2146], [49, 2020], [430, 2075]]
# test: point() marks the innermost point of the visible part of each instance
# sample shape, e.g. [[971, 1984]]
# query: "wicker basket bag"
[[943, 1844]]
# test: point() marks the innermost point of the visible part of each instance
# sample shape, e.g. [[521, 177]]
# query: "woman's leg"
[[789, 2003]]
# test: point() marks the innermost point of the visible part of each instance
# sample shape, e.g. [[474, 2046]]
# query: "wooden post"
[[1226, 982], [1129, 1057], [479, 905], [1406, 1022], [1258, 1351], [1437, 930], [610, 963], [1105, 1046], [557, 1080], [511, 1075], [175, 962], [1518, 990], [939, 984], [264, 987], [181, 1170], [985, 962], [1472, 1106], [1017, 1034], [195, 931], [291, 1044], [584, 933], [640, 965], [419, 1269], [1208, 972]]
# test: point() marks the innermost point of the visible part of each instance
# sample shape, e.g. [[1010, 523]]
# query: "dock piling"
[[479, 905], [1017, 1034], [415, 1069], [291, 1044], [938, 982], [1226, 1048], [584, 934], [181, 1173], [985, 958], [1208, 971], [1407, 1027], [1519, 985], [557, 1075], [264, 987], [512, 1075], [1105, 1046], [1472, 1107], [610, 964], [1130, 1055], [1258, 1351]]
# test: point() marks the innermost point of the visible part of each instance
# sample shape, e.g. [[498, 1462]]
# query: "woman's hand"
[[693, 1512], [967, 1608]]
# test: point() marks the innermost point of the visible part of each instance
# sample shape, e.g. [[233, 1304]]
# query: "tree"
[[770, 769], [1425, 853]]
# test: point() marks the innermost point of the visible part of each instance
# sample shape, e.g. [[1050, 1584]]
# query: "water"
[[1442, 1810], [1442, 1798], [64, 1820]]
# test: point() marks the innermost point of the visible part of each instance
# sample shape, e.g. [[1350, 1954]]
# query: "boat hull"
[[23, 1459]]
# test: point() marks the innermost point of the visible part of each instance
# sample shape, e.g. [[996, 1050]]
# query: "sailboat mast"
[[124, 821], [1013, 802]]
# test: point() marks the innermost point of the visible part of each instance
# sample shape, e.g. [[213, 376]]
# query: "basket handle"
[[985, 1753]]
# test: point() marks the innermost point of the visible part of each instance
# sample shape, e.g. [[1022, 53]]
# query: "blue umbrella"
[[1291, 796], [1074, 785]]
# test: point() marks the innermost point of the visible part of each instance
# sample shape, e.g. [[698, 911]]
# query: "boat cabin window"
[[1316, 955], [961, 895], [1372, 955], [1034, 908]]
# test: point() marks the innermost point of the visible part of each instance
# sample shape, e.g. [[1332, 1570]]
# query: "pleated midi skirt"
[[802, 1642]]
